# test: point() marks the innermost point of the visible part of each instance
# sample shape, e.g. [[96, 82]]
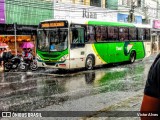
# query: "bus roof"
[[94, 22], [104, 23]]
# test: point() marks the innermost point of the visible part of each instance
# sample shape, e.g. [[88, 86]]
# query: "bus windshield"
[[52, 39]]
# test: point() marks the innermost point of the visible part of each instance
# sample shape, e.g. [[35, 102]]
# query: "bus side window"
[[78, 36], [101, 33], [147, 34], [132, 33], [112, 33], [81, 35], [90, 34], [98, 33], [141, 34], [123, 33], [104, 33], [75, 36]]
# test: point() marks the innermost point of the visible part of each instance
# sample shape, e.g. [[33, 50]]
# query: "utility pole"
[[15, 37], [131, 17], [145, 12], [157, 9]]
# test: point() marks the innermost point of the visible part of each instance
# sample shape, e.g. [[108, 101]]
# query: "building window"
[[96, 3], [139, 3], [126, 2]]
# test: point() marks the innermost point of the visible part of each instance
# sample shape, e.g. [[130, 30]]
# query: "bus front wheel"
[[89, 62], [132, 57]]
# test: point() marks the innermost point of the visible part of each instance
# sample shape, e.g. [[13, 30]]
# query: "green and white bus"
[[84, 43]]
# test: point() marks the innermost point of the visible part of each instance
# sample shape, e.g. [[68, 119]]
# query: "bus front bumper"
[[57, 65]]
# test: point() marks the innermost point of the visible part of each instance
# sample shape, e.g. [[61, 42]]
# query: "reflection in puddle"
[[123, 80], [90, 77]]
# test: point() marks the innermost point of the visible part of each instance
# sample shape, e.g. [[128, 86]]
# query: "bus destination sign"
[[53, 24]]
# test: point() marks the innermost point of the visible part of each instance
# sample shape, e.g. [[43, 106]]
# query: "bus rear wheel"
[[89, 63], [132, 57]]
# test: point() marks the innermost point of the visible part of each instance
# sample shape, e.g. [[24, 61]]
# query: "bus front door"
[[77, 48], [77, 56]]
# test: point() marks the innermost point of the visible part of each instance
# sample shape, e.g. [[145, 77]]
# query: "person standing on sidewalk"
[[1, 58], [151, 98]]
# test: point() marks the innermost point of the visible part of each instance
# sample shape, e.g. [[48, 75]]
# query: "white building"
[[68, 10]]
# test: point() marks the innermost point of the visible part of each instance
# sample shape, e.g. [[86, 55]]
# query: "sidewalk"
[[129, 106]]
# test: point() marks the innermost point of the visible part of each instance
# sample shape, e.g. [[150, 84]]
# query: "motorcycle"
[[27, 64], [12, 63]]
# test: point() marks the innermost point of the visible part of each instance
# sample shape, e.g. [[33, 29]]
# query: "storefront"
[[155, 36], [27, 15], [14, 39]]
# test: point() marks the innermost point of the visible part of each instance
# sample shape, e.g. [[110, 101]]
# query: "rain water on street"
[[46, 89]]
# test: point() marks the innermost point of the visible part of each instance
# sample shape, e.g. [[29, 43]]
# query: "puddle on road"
[[26, 91]]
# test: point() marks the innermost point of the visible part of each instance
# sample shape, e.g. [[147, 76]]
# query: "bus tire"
[[132, 57], [89, 64]]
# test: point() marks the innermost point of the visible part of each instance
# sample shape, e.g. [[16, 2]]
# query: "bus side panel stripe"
[[96, 53]]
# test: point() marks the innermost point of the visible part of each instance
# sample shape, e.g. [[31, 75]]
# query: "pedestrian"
[[7, 54], [1, 57], [23, 52], [28, 54], [151, 99]]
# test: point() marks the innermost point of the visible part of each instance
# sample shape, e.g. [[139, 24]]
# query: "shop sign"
[[2, 12], [156, 24], [124, 18], [87, 14]]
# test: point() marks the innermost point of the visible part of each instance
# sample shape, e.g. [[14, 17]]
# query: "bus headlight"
[[63, 58]]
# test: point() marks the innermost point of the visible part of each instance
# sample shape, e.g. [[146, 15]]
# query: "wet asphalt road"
[[82, 90]]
